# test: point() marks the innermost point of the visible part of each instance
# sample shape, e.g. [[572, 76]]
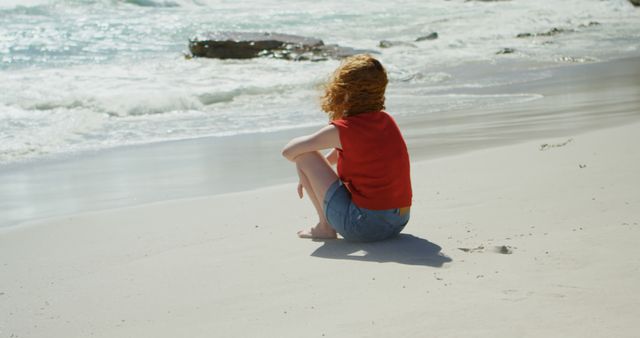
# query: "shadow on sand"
[[404, 249]]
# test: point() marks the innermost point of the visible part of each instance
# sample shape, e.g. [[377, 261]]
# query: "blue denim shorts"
[[359, 224]]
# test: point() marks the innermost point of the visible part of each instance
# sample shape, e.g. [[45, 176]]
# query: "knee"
[[307, 157], [309, 160]]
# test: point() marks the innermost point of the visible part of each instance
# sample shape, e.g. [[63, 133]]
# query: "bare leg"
[[312, 196], [316, 176]]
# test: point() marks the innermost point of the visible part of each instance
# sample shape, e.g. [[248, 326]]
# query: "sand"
[[523, 240]]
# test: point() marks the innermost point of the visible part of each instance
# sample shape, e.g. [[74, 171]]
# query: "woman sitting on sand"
[[369, 197]]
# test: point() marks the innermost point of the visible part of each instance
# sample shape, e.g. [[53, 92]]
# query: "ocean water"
[[89, 75]]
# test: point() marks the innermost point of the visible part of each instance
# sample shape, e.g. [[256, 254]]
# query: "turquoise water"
[[92, 75]]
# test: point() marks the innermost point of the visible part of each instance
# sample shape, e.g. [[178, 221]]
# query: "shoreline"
[[548, 142], [544, 143], [606, 94], [511, 229]]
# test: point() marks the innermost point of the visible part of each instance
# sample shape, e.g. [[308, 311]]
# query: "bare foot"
[[320, 231]]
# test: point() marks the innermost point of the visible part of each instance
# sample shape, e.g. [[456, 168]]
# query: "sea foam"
[[81, 74]]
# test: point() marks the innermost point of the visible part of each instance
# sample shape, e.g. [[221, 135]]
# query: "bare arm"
[[332, 156], [324, 138]]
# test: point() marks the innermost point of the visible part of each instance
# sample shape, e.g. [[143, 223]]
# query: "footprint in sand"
[[501, 249], [472, 250]]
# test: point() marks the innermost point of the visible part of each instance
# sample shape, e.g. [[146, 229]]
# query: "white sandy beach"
[[143, 192], [231, 265]]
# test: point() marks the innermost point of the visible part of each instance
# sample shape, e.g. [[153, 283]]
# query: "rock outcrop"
[[244, 45], [590, 24], [556, 30], [635, 2], [391, 43], [506, 51], [430, 36], [552, 32], [394, 43]]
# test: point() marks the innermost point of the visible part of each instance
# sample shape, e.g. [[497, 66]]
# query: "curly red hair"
[[357, 86]]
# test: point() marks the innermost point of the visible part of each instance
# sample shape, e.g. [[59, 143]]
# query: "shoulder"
[[384, 115], [343, 122], [328, 130]]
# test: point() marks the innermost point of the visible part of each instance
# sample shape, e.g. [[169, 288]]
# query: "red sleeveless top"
[[373, 162]]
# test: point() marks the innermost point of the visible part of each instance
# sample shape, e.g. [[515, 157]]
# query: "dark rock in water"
[[635, 2], [506, 51], [590, 24], [386, 44], [555, 31], [243, 45], [389, 43], [572, 59], [431, 36], [552, 32], [238, 45]]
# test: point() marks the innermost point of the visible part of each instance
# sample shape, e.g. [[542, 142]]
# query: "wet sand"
[[574, 99]]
